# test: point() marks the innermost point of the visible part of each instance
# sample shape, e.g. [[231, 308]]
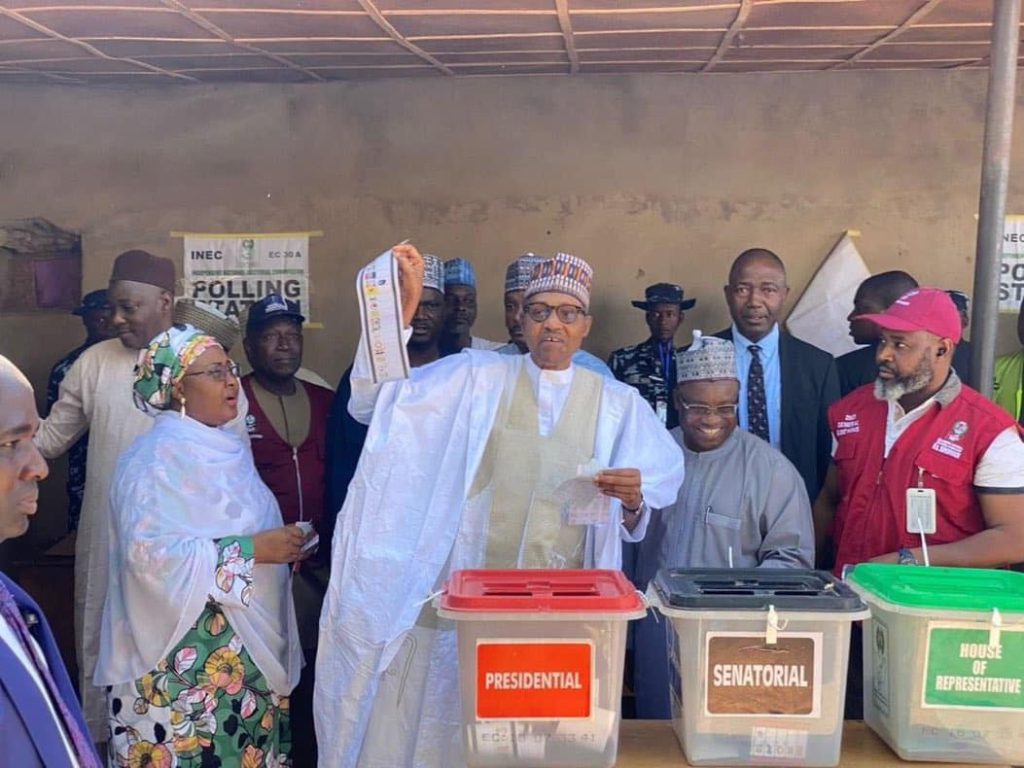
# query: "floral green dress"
[[206, 704]]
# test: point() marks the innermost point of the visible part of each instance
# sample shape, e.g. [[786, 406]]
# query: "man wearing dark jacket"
[[786, 385], [41, 723], [287, 426], [650, 367]]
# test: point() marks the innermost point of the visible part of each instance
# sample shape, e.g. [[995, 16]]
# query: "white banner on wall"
[[232, 271], [1011, 270], [819, 317]]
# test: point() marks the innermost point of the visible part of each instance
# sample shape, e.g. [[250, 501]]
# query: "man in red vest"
[[287, 426], [918, 435]]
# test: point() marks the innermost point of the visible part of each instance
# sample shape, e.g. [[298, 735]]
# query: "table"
[[653, 744]]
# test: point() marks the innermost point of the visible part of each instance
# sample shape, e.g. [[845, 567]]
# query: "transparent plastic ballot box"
[[944, 661], [541, 654], [757, 663]]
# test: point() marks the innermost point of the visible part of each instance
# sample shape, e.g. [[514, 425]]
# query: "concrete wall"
[[650, 178]]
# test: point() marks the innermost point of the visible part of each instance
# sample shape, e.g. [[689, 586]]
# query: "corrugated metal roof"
[[189, 41]]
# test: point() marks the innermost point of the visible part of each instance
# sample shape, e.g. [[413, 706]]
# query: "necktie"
[[667, 354], [757, 403], [80, 742]]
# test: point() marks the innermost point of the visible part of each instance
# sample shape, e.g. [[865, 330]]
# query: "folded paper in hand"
[[581, 500]]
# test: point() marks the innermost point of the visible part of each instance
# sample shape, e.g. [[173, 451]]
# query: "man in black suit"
[[786, 385], [41, 722], [873, 296]]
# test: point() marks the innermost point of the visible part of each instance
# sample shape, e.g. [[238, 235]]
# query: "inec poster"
[[1011, 270], [232, 271]]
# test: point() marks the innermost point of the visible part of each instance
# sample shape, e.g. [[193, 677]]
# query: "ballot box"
[[540, 664], [757, 663]]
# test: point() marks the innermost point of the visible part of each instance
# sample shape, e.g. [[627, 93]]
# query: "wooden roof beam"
[[734, 29], [565, 22], [927, 7], [397, 36], [96, 52], [213, 29]]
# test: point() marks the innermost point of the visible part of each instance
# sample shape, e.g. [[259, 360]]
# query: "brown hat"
[[208, 319], [143, 267]]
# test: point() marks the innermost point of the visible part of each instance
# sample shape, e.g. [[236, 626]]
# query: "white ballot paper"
[[581, 501], [380, 313]]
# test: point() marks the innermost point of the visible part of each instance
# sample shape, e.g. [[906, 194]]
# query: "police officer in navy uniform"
[[650, 366]]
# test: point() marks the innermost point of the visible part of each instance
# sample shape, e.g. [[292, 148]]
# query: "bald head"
[[755, 256], [875, 295], [11, 377], [756, 292], [21, 464]]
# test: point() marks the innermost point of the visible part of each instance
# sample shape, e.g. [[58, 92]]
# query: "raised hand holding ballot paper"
[[460, 469]]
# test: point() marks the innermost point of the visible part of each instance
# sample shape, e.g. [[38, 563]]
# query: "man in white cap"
[[743, 504], [460, 470], [517, 277], [345, 435]]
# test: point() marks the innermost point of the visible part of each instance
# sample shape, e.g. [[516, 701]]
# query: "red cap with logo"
[[922, 309]]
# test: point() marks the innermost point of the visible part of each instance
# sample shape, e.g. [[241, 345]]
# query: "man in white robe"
[[96, 396], [458, 471]]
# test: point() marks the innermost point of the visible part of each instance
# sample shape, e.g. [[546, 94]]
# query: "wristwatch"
[[638, 510], [906, 557]]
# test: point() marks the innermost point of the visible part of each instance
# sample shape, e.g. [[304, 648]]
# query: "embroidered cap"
[[564, 273], [433, 272], [459, 272], [707, 358], [518, 273], [923, 309]]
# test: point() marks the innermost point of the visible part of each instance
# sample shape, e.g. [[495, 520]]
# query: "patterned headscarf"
[[164, 362]]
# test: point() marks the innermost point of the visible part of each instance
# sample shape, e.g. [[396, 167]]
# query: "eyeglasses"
[[699, 411], [218, 372], [567, 313]]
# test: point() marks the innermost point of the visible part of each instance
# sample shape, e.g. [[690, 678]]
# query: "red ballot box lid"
[[541, 591]]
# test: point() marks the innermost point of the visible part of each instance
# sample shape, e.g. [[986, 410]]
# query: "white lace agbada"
[[179, 488]]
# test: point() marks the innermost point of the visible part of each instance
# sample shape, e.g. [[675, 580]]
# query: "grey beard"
[[895, 389]]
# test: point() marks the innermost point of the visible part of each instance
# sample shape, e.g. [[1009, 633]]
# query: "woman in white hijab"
[[199, 645]]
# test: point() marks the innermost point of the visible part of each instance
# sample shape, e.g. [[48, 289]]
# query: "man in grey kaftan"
[[742, 504]]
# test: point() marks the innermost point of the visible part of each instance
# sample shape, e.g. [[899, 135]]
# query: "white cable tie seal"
[[771, 632], [647, 606], [995, 629], [430, 598]]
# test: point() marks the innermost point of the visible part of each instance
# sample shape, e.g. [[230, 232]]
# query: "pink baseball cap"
[[922, 309]]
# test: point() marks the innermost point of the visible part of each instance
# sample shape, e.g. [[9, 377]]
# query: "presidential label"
[[965, 670], [534, 680], [746, 676]]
